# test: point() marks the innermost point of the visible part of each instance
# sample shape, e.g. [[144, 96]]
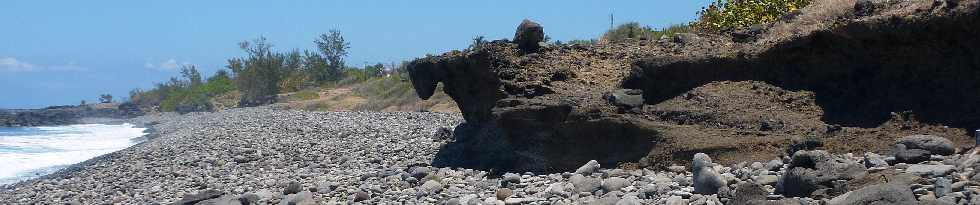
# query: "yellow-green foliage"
[[304, 95], [730, 14], [633, 30]]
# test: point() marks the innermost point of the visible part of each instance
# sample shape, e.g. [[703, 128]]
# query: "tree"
[[375, 70], [190, 73], [333, 49], [258, 74], [105, 98], [477, 43]]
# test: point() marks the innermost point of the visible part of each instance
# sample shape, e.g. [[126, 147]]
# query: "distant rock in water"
[[63, 115]]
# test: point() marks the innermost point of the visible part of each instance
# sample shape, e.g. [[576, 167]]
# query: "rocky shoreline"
[[68, 114], [268, 156]]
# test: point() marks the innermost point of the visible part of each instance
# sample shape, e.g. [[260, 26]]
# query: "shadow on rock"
[[562, 147], [860, 72]]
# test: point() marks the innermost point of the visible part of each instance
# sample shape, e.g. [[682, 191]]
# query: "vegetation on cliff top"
[[733, 14]]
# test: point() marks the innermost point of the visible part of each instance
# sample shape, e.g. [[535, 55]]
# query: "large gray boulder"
[[584, 183], [588, 168], [890, 193], [810, 171], [933, 144], [706, 180], [614, 184], [749, 193], [528, 35], [911, 156]]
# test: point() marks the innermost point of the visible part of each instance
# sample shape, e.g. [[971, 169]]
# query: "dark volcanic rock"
[[810, 171], [557, 108], [528, 35], [63, 115]]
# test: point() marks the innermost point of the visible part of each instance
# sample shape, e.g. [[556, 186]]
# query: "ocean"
[[30, 152]]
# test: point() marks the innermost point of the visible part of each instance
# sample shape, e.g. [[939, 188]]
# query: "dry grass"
[[820, 14], [379, 94]]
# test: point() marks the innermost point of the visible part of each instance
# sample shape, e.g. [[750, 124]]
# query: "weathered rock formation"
[[63, 115], [850, 75]]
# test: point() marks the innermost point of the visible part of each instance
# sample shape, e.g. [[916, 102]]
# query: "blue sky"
[[62, 52]]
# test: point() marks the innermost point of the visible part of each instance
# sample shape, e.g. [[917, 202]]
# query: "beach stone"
[[431, 187], [503, 193], [528, 35], [556, 189], [933, 144], [614, 183], [292, 187], [629, 200], [706, 180], [604, 200], [675, 200], [767, 179], [360, 196], [190, 199], [301, 198], [326, 187], [584, 184], [810, 171], [588, 168], [749, 193], [929, 169], [510, 178], [943, 186], [774, 165], [420, 172], [625, 98], [677, 169], [223, 200], [798, 181], [889, 193], [911, 156], [874, 160]]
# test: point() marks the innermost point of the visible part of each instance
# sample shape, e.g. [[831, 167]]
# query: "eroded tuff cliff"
[[854, 75]]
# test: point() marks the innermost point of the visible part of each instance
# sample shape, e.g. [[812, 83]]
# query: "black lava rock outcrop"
[[63, 115], [842, 80]]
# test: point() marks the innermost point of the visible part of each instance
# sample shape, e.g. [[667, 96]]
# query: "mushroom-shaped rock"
[[528, 35]]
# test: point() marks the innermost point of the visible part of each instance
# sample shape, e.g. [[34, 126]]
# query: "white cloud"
[[11, 64], [14, 65], [170, 64]]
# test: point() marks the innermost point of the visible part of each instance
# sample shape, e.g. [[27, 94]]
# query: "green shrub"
[[219, 84], [733, 14], [633, 30]]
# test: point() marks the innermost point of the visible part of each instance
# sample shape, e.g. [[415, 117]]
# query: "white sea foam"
[[30, 152]]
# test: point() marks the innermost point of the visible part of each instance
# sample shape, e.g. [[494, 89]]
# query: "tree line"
[[258, 77]]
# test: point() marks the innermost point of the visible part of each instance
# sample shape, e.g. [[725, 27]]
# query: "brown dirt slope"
[[857, 81]]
